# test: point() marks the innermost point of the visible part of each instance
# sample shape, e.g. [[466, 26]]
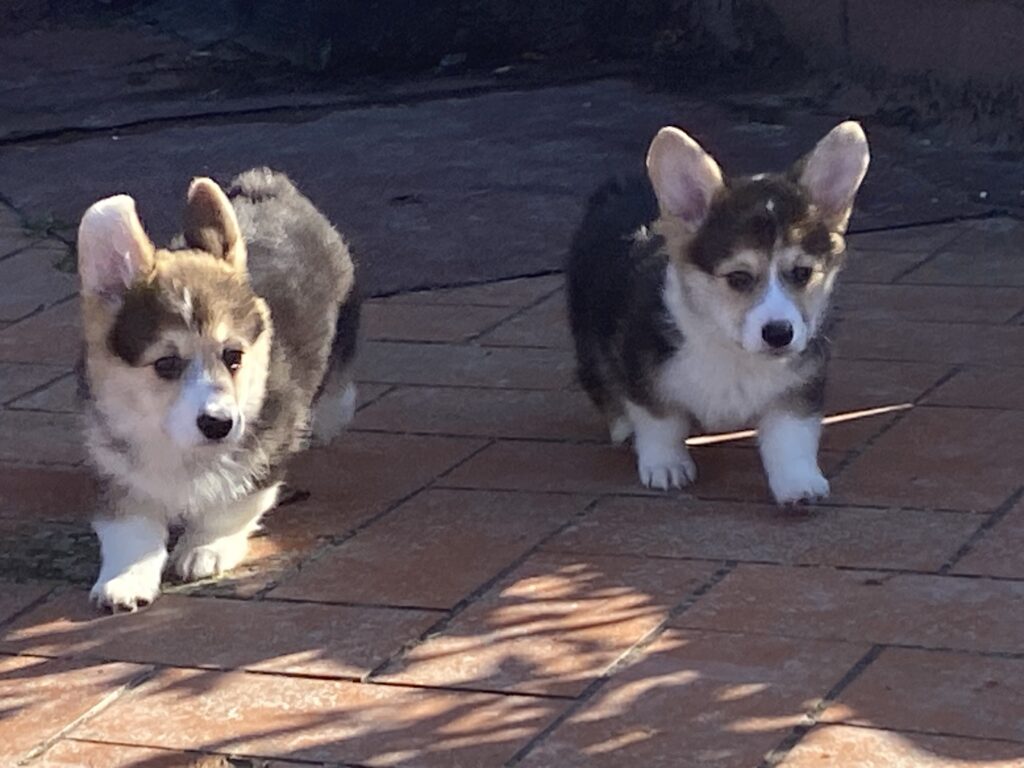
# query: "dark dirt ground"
[[437, 179]]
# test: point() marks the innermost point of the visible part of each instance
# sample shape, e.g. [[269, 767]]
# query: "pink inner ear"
[[691, 205]]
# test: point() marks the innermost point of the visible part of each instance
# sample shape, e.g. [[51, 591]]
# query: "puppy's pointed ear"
[[832, 173], [211, 225], [113, 249], [684, 176]]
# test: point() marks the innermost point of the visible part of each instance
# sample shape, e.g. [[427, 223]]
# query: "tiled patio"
[[476, 579]]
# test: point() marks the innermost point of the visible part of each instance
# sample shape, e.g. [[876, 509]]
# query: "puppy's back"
[[301, 266], [614, 277]]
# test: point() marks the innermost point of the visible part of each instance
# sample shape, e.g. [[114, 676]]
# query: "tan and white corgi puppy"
[[201, 367], [697, 301]]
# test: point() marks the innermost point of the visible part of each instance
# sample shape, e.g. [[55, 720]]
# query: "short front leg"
[[662, 458], [134, 550], [218, 541], [789, 452]]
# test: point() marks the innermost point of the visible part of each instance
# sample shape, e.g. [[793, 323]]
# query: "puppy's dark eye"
[[740, 281], [800, 276], [232, 359], [170, 367]]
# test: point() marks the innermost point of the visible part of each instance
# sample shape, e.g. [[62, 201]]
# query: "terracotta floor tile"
[[725, 471], [47, 493], [697, 700], [856, 385], [32, 282], [485, 413], [18, 378], [983, 388], [464, 366], [836, 746], [1000, 551], [368, 393], [947, 693], [364, 473], [40, 697], [987, 254], [865, 606], [862, 398], [415, 322], [870, 265], [730, 472], [925, 239], [928, 342], [69, 753], [286, 538], [504, 293], [317, 518], [927, 303], [15, 596], [321, 720], [53, 337], [59, 397], [853, 434], [14, 239], [730, 531], [291, 638], [545, 325], [552, 625], [433, 550], [34, 437], [943, 458], [545, 467]]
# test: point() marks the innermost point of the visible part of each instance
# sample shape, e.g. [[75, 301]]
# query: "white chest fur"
[[714, 379], [159, 476]]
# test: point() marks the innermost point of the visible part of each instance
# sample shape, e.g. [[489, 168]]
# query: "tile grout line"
[[988, 524], [289, 760], [325, 677], [969, 218], [406, 293], [684, 496], [916, 732], [387, 390], [35, 391], [1016, 319], [929, 258], [889, 571], [473, 338], [32, 605], [462, 605], [625, 660], [332, 541], [813, 715], [96, 709], [898, 418], [942, 649]]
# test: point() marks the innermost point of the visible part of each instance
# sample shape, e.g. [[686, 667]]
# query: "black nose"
[[214, 428], [777, 334]]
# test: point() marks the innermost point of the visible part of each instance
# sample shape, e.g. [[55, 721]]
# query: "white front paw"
[[137, 587], [194, 562], [666, 469], [798, 482]]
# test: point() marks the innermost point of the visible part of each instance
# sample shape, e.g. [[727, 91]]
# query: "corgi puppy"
[[697, 301], [201, 367]]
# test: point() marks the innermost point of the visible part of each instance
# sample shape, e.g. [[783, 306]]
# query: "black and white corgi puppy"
[[697, 301], [202, 364]]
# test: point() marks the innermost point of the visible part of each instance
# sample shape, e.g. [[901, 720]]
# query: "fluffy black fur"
[[615, 278], [301, 267]]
